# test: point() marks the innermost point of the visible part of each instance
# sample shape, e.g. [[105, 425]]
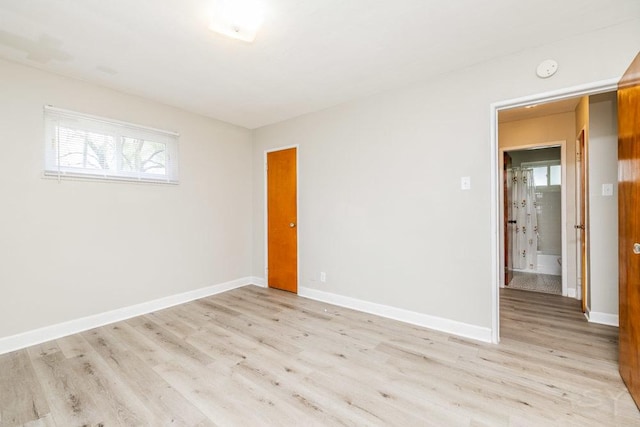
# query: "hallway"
[[547, 336]]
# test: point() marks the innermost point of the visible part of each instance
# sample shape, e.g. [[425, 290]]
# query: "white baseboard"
[[259, 281], [571, 293], [432, 322], [603, 318], [48, 333]]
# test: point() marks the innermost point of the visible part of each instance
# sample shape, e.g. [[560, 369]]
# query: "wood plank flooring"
[[255, 356]]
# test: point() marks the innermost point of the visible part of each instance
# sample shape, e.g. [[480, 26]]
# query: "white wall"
[[603, 210], [381, 210], [71, 249]]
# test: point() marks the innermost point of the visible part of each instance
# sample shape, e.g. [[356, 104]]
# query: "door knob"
[[292, 224], [636, 248]]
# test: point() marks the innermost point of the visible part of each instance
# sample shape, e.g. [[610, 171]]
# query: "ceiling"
[[539, 110], [308, 55]]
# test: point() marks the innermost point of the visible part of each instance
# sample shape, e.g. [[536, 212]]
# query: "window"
[[83, 146], [545, 173]]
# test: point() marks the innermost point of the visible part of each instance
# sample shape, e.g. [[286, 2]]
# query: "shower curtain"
[[524, 212]]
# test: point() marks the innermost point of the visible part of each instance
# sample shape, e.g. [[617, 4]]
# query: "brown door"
[[508, 223], [282, 220], [582, 231], [629, 226]]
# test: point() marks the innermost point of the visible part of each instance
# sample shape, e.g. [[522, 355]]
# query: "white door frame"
[[496, 222], [563, 204]]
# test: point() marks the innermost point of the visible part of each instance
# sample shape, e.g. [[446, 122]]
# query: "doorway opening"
[[497, 162], [534, 208]]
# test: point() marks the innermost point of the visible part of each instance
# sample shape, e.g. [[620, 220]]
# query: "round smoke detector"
[[547, 68]]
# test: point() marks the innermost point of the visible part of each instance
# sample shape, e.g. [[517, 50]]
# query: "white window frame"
[[56, 117], [547, 164]]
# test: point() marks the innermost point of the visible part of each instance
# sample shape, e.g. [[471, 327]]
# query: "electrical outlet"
[[323, 276]]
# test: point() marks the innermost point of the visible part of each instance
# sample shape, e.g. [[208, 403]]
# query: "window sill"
[[67, 176]]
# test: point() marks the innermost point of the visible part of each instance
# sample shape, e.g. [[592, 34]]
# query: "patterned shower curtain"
[[524, 212]]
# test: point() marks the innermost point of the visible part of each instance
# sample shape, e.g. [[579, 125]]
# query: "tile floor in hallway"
[[547, 283]]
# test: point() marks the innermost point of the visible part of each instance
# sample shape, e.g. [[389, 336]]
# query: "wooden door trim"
[[584, 269], [563, 204], [592, 88], [266, 210]]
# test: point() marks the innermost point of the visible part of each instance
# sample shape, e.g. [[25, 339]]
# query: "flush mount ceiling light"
[[238, 19]]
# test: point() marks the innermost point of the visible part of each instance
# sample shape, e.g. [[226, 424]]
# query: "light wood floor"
[[257, 356]]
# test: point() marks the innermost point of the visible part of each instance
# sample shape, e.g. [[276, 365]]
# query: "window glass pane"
[[142, 156], [540, 176], [555, 175], [85, 150], [89, 147]]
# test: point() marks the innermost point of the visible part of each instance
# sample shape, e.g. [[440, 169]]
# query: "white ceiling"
[[539, 110], [309, 54]]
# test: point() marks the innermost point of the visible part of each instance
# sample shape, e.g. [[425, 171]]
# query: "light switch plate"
[[607, 189], [465, 183]]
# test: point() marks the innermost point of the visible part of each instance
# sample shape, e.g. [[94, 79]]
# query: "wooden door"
[[282, 220], [508, 223], [581, 227], [629, 227]]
